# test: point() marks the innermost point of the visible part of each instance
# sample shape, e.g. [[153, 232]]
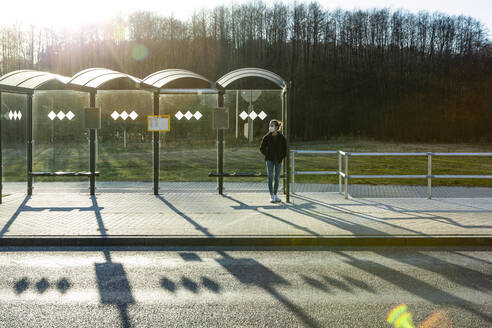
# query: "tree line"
[[382, 74]]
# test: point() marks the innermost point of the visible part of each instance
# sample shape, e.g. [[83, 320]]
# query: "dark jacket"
[[274, 151]]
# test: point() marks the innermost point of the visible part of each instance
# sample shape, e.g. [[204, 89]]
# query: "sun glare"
[[59, 14], [72, 14]]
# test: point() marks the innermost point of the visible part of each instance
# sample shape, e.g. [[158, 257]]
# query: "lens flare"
[[400, 318], [140, 52]]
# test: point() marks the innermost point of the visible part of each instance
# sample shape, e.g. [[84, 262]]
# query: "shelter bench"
[[63, 174], [239, 174]]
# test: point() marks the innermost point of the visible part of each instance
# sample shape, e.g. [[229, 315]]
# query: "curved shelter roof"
[[161, 78], [29, 80], [95, 77], [238, 74]]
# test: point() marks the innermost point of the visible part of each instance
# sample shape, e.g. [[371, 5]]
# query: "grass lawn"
[[192, 163], [396, 165]]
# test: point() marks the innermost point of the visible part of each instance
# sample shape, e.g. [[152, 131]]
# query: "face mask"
[[271, 128]]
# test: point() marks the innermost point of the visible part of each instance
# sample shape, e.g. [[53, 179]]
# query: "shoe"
[[277, 199], [272, 199]]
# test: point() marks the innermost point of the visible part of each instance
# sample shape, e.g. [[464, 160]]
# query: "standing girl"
[[274, 147]]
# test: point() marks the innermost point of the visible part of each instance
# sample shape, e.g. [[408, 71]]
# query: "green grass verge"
[[191, 163]]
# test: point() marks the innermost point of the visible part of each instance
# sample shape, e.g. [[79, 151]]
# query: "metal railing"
[[343, 172], [329, 152]]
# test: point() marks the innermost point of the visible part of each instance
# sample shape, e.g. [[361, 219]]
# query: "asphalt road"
[[183, 287]]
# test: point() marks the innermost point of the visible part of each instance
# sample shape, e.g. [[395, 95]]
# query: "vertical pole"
[[53, 168], [1, 158], [220, 148], [346, 174], [285, 111], [237, 114], [250, 122], [429, 175], [124, 138], [156, 141], [293, 172], [92, 150], [29, 143], [339, 171], [53, 153], [282, 118]]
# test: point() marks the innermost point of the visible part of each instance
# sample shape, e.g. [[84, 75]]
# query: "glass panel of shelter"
[[13, 116], [188, 151], [250, 111], [60, 142], [125, 159]]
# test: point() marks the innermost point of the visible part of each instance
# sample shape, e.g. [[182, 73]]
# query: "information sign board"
[[158, 123]]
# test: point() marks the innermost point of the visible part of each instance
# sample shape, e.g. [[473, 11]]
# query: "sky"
[[64, 13]]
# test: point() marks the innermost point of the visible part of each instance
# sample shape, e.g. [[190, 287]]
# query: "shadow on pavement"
[[257, 209], [250, 272], [186, 217], [21, 208], [112, 281], [307, 209], [115, 289], [412, 285], [42, 285], [458, 274], [429, 216]]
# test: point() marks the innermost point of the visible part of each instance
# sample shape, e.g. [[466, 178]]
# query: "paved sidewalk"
[[356, 190], [315, 215]]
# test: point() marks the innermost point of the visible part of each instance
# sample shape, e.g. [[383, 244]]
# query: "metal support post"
[[347, 155], [237, 114], [156, 141], [286, 114], [339, 171], [220, 148], [1, 159], [92, 150], [429, 175], [293, 172], [29, 143]]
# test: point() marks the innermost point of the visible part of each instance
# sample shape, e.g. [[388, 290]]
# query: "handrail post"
[[429, 175], [347, 155], [339, 172], [293, 153]]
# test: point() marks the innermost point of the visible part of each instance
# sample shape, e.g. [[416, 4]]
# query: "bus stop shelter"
[[92, 80]]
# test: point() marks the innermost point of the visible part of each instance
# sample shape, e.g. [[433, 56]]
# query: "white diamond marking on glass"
[[19, 115], [61, 115], [124, 115], [179, 115], [253, 115], [243, 115], [188, 115], [15, 115], [70, 115], [115, 115], [133, 115], [198, 115], [262, 115], [11, 115], [52, 115]]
